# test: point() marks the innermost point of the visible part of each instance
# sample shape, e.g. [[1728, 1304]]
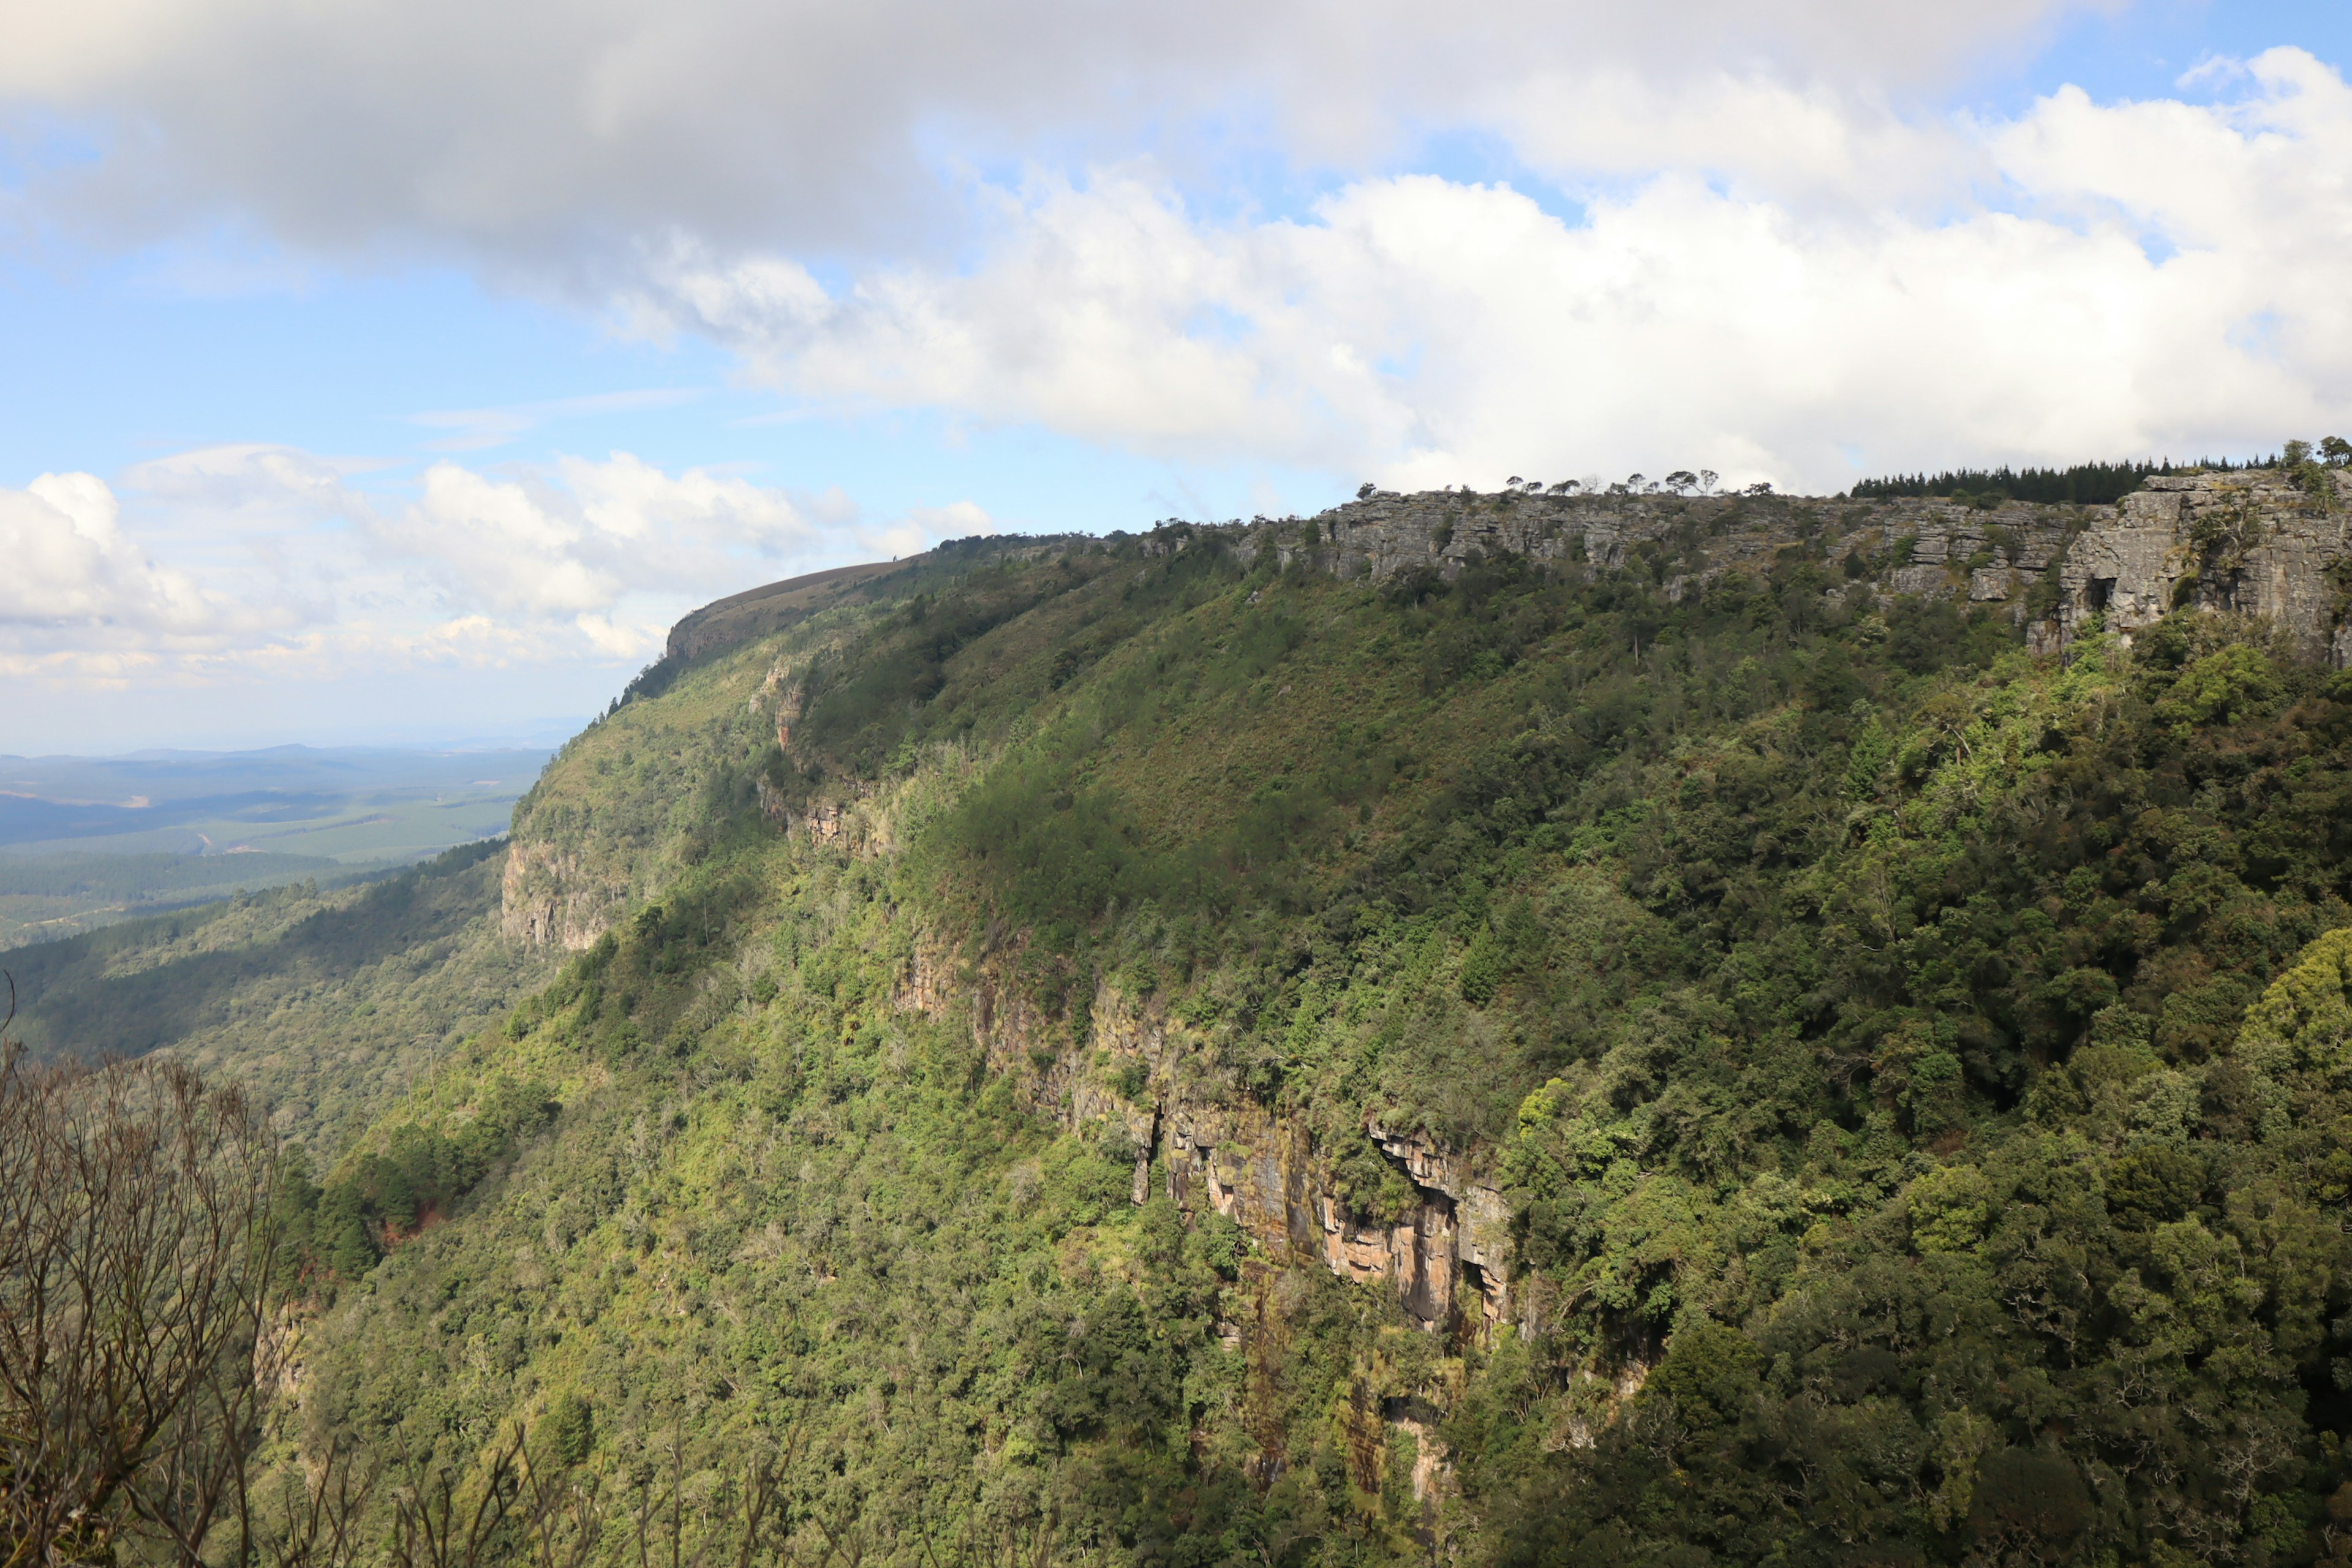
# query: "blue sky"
[[399, 376]]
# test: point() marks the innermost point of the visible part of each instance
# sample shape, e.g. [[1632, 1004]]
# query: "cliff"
[[2247, 542], [2250, 541], [1472, 1028]]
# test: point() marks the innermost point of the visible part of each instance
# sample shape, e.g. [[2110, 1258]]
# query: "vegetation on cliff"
[[1914, 1070]]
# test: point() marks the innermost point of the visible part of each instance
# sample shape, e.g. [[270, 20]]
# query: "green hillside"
[[332, 1003], [1128, 1051]]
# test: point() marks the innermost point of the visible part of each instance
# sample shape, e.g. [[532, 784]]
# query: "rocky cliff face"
[[1447, 1258], [1938, 549], [546, 901], [2250, 543]]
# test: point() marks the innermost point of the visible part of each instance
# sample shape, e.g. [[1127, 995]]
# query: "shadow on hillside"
[[123, 991]]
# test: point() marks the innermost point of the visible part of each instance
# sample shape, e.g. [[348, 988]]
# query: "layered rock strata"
[[1447, 1257], [1939, 549], [545, 900], [2251, 543]]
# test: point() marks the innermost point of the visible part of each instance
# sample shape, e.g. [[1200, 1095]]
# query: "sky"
[[395, 371]]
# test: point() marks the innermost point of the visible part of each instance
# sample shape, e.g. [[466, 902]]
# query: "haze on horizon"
[[397, 373]]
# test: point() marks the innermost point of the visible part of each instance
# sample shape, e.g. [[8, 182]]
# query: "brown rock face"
[[1447, 1256]]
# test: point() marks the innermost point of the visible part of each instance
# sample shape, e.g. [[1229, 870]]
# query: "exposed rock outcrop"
[[1447, 1256], [2250, 541], [546, 901], [1954, 550]]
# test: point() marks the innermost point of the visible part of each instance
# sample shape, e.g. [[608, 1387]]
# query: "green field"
[[85, 841]]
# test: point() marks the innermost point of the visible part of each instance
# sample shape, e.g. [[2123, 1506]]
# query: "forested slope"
[[1037, 1032], [331, 1004]]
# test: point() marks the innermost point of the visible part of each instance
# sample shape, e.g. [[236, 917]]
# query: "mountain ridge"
[[1765, 1031]]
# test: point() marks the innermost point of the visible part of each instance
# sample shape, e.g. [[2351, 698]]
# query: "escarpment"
[[2251, 543], [1744, 1029], [2255, 543], [2248, 542]]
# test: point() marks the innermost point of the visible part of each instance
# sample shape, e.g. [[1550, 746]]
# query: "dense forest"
[[2078, 484], [1916, 1070]]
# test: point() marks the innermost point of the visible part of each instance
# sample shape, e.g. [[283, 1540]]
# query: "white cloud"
[[281, 564], [552, 136], [70, 570], [1781, 249], [2158, 277], [600, 532]]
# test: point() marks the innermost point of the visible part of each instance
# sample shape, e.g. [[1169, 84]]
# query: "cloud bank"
[[1744, 234], [543, 132], [2153, 277], [257, 559]]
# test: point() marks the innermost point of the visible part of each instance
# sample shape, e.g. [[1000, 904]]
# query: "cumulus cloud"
[[272, 560], [1776, 253], [1762, 245], [70, 570], [573, 543], [2155, 278]]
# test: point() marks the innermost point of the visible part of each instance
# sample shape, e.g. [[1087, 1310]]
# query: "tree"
[[139, 1240], [1706, 481], [2308, 474], [1364, 490], [1681, 481], [137, 1247]]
